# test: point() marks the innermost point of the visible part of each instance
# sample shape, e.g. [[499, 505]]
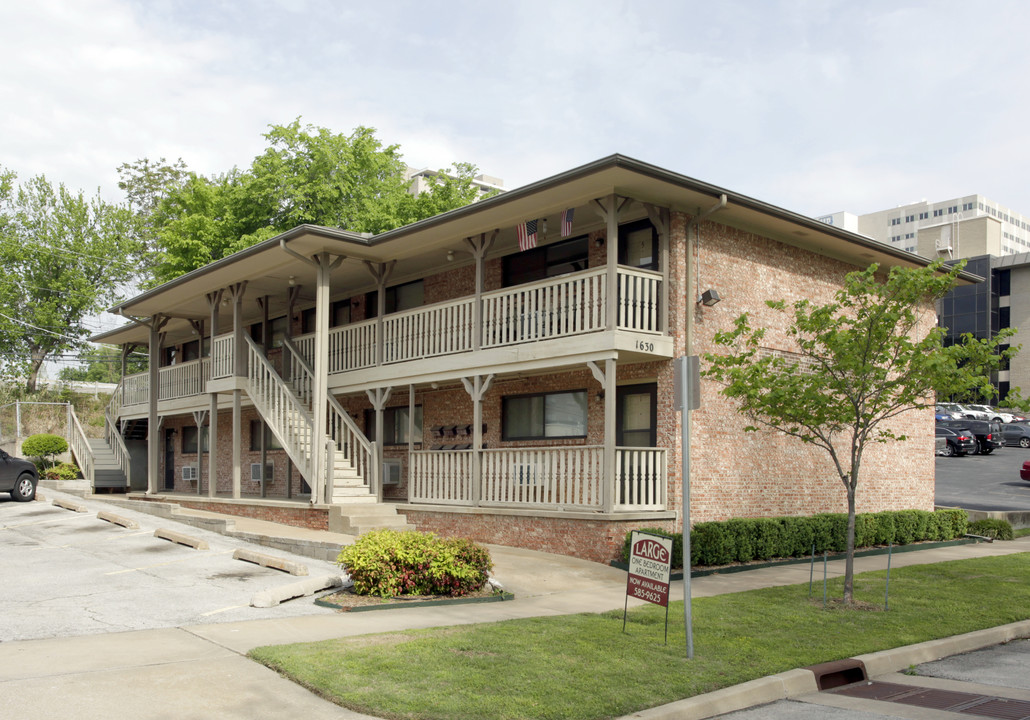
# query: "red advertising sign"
[[650, 562]]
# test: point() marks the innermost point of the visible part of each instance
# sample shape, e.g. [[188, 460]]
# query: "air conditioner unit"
[[524, 473], [189, 473], [391, 471], [255, 472]]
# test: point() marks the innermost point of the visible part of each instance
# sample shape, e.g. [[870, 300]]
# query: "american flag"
[[526, 233], [566, 222]]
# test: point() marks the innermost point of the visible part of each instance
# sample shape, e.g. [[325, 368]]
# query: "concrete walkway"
[[198, 671]]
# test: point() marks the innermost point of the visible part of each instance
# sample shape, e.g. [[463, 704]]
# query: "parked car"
[[1017, 415], [18, 477], [987, 434], [993, 414], [940, 413], [1017, 433], [957, 442], [1024, 472], [960, 411]]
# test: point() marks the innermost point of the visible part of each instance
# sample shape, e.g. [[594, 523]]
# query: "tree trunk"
[[849, 558]]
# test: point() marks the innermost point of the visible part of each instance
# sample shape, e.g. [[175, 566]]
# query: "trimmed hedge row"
[[742, 540]]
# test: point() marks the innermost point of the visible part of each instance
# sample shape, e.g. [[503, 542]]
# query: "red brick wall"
[[735, 473]]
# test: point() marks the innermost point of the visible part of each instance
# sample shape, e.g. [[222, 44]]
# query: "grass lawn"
[[584, 666]]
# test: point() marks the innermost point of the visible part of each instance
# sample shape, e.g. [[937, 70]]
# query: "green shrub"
[[747, 539], [44, 448], [390, 563], [992, 528], [63, 471]]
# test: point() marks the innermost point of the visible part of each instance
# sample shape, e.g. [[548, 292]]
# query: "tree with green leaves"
[[859, 361], [103, 364], [306, 175], [64, 256]]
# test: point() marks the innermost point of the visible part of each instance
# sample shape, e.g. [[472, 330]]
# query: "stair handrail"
[[80, 447], [113, 436], [344, 432], [275, 402]]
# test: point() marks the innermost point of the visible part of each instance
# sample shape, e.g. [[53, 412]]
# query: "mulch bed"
[[349, 601]]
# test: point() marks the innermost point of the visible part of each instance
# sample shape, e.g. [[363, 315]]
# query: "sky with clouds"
[[816, 106]]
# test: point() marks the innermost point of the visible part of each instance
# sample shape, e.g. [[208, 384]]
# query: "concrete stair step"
[[354, 519]]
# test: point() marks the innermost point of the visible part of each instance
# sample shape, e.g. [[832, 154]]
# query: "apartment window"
[[189, 439], [953, 209], [277, 331], [1004, 283], [544, 415], [256, 429], [339, 314], [406, 296], [191, 350], [895, 221], [395, 425], [981, 206], [938, 213], [924, 215], [909, 236], [169, 356], [541, 263], [910, 218], [1004, 317]]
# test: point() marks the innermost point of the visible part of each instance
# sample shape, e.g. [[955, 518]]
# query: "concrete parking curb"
[[739, 697], [275, 596], [270, 561], [69, 505], [888, 661], [117, 520], [181, 538]]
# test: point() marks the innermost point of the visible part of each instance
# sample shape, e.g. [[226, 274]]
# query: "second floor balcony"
[[569, 306]]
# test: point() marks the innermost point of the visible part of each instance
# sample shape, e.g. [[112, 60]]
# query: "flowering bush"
[[389, 563]]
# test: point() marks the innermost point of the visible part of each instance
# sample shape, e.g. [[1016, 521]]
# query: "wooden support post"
[[477, 387], [214, 299], [198, 418], [153, 436], [479, 247], [380, 272], [659, 217], [379, 397]]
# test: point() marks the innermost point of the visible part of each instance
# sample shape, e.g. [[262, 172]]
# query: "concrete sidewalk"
[[198, 671]]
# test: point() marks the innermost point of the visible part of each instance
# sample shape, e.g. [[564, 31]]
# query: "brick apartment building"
[[521, 397]]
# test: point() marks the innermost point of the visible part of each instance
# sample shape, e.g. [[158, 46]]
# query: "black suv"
[[17, 477], [988, 434]]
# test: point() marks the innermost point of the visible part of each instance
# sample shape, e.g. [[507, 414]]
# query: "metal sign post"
[[688, 397]]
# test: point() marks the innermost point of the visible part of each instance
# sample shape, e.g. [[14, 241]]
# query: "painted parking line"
[[94, 542], [55, 517], [222, 610], [194, 556]]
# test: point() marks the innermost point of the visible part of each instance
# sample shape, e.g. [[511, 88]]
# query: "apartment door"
[[638, 475], [636, 415]]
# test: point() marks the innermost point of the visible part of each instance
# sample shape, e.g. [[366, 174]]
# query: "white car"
[[961, 412], [990, 413]]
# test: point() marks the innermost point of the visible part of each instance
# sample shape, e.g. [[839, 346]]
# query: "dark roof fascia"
[[612, 161], [319, 230], [673, 178]]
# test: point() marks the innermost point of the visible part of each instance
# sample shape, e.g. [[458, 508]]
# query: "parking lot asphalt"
[[983, 482], [70, 573]]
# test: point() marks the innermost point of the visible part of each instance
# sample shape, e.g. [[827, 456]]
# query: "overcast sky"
[[814, 106]]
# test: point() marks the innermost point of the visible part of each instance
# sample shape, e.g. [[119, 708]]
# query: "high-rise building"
[[960, 227]]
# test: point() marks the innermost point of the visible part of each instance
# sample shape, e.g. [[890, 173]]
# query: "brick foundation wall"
[[302, 517], [596, 540]]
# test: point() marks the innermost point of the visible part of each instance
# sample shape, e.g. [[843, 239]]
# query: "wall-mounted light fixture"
[[599, 241], [450, 256], [292, 281], [710, 297]]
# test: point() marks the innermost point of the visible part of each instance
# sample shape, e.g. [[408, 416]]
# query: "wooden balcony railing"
[[557, 478]]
